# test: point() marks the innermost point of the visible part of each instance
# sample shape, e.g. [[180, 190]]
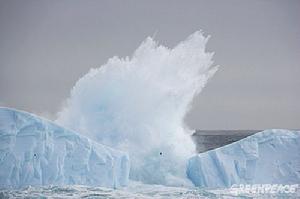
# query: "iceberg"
[[267, 157], [35, 151]]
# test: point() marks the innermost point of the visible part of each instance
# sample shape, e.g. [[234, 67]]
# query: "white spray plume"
[[138, 104]]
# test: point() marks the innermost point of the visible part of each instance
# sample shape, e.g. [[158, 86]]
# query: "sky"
[[46, 46]]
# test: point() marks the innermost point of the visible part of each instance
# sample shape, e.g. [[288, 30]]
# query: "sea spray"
[[138, 104]]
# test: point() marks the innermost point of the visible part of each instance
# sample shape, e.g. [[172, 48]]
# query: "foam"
[[138, 103]]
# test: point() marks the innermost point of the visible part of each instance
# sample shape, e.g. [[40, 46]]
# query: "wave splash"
[[138, 103]]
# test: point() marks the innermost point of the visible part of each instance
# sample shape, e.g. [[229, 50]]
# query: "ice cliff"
[[268, 157], [34, 151]]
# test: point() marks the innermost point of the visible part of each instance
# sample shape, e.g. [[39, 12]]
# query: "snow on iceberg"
[[268, 157], [34, 151]]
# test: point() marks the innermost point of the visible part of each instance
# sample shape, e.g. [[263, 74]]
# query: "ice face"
[[34, 151], [268, 157]]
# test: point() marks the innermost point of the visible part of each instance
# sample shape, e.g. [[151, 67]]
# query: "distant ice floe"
[[268, 157], [34, 151]]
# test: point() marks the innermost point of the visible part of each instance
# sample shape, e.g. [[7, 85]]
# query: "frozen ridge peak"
[[35, 151], [267, 157]]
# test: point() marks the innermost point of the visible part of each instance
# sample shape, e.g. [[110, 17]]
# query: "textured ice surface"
[[268, 157], [34, 151]]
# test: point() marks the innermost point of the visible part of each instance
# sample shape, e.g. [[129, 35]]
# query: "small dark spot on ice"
[[160, 153], [34, 155]]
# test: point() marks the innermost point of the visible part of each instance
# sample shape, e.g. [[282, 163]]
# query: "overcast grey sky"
[[45, 46]]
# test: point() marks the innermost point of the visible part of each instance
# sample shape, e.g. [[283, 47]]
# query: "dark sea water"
[[210, 139]]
